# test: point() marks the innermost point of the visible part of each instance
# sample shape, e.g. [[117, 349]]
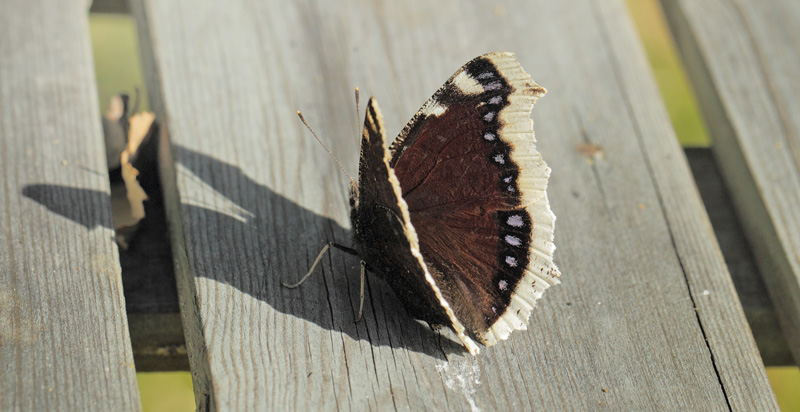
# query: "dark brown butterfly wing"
[[474, 186], [385, 238]]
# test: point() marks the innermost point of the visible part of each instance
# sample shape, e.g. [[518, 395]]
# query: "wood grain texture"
[[251, 198], [64, 341], [742, 58]]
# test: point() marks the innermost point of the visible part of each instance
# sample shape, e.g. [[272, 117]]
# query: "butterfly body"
[[454, 215]]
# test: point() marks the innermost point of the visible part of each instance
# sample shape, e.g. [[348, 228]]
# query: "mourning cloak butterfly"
[[454, 215]]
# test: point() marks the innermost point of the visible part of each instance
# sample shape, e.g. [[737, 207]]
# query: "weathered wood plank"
[[711, 290], [251, 199], [64, 341], [742, 58]]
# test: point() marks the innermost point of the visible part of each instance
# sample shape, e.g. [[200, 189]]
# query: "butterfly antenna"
[[303, 119], [136, 100], [358, 111]]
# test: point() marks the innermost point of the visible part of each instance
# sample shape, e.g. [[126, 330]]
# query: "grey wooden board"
[[646, 319], [743, 59], [64, 341]]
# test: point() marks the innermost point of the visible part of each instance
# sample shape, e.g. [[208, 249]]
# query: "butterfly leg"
[[361, 292], [316, 262]]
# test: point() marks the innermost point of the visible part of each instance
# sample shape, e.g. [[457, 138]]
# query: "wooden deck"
[[64, 340], [648, 316], [748, 87]]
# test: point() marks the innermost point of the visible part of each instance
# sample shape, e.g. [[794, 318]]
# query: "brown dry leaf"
[[139, 126]]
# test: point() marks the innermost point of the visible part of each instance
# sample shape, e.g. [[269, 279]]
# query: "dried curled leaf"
[[140, 126]]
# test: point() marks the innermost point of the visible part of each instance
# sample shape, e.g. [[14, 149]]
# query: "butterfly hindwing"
[[385, 237]]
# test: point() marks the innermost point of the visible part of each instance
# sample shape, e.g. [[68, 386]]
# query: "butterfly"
[[454, 215]]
